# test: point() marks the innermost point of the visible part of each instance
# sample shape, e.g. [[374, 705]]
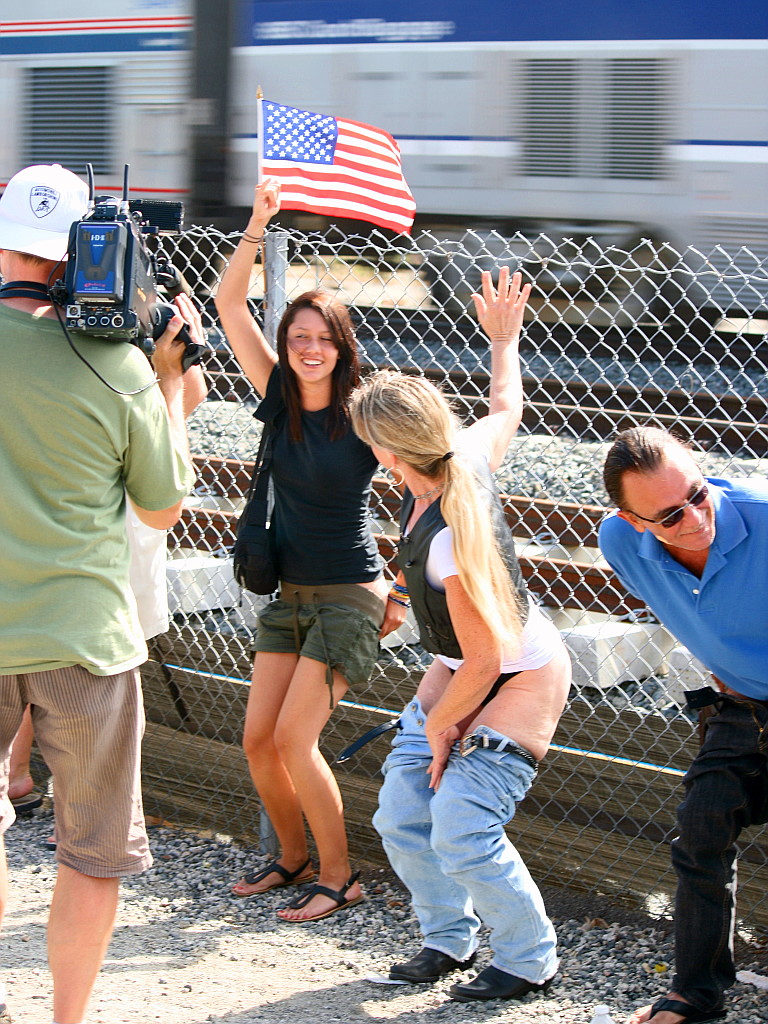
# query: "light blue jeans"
[[451, 851]]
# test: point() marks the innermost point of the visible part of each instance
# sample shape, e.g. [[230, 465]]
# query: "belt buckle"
[[467, 744]]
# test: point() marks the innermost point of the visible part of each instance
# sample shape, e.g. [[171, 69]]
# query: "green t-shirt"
[[69, 450]]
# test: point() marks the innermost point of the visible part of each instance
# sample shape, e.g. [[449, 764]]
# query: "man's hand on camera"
[[169, 349]]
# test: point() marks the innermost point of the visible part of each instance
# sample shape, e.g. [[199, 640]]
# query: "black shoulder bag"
[[254, 556]]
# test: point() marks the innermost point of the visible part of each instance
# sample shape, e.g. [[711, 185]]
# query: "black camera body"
[[111, 277]]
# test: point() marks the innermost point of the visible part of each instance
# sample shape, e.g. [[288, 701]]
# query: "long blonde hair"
[[410, 417]]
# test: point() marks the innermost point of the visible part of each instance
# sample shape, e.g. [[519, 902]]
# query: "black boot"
[[428, 965], [495, 984]]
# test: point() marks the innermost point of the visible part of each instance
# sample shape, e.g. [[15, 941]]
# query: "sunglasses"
[[675, 517]]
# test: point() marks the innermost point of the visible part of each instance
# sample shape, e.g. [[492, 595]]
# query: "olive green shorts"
[[336, 624]]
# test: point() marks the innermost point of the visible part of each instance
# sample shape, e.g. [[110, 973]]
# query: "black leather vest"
[[430, 607]]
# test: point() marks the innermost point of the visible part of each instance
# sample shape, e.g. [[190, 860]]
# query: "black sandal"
[[339, 896], [289, 878], [689, 1013]]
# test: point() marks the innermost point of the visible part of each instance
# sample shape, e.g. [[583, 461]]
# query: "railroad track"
[[559, 582], [588, 411], [690, 338]]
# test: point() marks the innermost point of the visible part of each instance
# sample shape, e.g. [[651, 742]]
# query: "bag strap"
[[268, 411], [256, 503]]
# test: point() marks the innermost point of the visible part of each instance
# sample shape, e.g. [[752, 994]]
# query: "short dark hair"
[[636, 450], [346, 372]]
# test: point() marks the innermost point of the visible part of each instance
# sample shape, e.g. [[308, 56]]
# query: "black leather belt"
[[378, 730], [479, 740], [465, 745]]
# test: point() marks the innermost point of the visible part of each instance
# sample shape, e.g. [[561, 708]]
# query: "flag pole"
[[259, 132], [259, 152]]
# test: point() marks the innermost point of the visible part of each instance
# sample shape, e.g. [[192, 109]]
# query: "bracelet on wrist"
[[252, 238], [399, 589], [398, 599]]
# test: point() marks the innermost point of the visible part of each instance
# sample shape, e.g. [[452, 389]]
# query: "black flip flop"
[[339, 896], [289, 878], [689, 1013]]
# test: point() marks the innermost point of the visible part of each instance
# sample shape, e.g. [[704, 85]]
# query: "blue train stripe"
[[320, 22], [96, 42]]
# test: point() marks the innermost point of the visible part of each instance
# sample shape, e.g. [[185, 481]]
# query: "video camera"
[[110, 285]]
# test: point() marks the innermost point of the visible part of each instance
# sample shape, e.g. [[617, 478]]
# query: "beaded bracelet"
[[250, 238], [399, 595]]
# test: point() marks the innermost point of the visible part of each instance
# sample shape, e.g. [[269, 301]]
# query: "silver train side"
[[618, 140]]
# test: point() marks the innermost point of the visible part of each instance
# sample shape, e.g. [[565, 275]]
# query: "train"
[[597, 119]]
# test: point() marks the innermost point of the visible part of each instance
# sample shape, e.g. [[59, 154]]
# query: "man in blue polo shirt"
[[696, 551]]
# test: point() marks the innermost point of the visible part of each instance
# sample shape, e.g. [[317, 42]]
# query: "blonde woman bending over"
[[487, 707], [321, 635]]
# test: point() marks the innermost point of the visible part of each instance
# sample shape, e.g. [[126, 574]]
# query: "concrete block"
[[199, 581], [604, 654]]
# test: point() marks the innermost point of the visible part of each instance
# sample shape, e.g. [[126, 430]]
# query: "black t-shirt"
[[322, 523]]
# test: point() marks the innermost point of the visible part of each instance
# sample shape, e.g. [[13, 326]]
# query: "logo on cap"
[[43, 200]]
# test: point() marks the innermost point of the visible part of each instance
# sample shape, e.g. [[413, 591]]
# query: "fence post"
[[275, 301], [275, 288]]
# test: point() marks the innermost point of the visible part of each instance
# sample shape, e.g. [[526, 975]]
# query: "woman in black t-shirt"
[[321, 635]]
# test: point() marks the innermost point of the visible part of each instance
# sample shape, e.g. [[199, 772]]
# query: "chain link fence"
[[613, 338]]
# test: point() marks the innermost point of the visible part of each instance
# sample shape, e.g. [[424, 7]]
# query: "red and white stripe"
[[365, 180], [58, 26]]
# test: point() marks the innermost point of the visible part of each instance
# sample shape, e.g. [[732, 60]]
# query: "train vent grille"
[[68, 117], [550, 129], [156, 83], [595, 118], [730, 256], [733, 234]]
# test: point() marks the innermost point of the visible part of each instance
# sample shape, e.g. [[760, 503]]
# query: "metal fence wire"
[[613, 338]]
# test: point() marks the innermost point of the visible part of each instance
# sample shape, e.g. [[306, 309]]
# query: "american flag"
[[335, 167]]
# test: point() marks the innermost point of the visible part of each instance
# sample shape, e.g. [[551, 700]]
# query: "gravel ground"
[[185, 951], [555, 468]]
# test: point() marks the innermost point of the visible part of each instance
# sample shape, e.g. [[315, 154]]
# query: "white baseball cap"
[[37, 209]]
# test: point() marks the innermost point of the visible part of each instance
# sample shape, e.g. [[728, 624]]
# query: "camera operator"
[[72, 444]]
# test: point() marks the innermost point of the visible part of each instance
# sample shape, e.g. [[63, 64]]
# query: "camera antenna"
[[124, 207], [89, 172]]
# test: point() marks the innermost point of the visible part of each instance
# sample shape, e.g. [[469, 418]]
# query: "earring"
[[398, 483]]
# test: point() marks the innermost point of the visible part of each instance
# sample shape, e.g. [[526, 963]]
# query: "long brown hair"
[[346, 372]]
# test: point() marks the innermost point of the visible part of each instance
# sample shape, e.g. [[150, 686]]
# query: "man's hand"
[[166, 359]]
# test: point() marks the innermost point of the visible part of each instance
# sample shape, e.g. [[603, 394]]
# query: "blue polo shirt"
[[722, 618]]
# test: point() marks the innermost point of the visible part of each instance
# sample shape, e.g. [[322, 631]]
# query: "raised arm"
[[501, 312], [251, 349]]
